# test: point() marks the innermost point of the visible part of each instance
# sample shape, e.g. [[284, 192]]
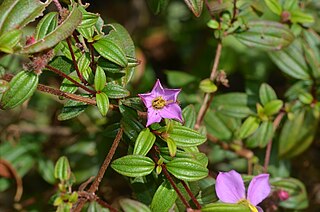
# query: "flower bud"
[[283, 195]]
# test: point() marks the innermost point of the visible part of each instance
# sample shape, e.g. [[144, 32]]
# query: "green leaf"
[[164, 198], [298, 198], [238, 105], [88, 19], [129, 205], [186, 137], [189, 116], [195, 6], [208, 86], [115, 91], [22, 87], [266, 35], [46, 25], [9, 40], [184, 78], [108, 49], [297, 134], [62, 169], [84, 67], [300, 17], [102, 103], [71, 110], [133, 165], [220, 125], [249, 126], [274, 6], [100, 79], [144, 142], [291, 61], [273, 107], [60, 33], [68, 86], [109, 66], [197, 156], [157, 6], [171, 146], [46, 170], [266, 93], [262, 136], [223, 207], [15, 14], [187, 169], [130, 123]]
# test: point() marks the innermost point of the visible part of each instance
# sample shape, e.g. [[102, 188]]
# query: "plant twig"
[[57, 71], [57, 92], [75, 61], [276, 123], [58, 5], [208, 97], [194, 200], [94, 186]]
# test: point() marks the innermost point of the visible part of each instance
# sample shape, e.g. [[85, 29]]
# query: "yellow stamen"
[[247, 203], [158, 103]]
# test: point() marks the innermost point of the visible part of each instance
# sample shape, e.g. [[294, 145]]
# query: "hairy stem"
[[276, 123], [70, 79], [58, 5], [208, 97], [75, 61], [194, 200], [57, 92], [95, 185]]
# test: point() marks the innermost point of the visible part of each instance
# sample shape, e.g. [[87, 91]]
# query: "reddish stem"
[[75, 61], [195, 201]]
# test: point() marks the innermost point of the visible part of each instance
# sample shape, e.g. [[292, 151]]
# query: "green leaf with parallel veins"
[[189, 116], [208, 86], [15, 14], [186, 137], [46, 25], [171, 146], [300, 17], [102, 103], [88, 19], [187, 169], [266, 93], [266, 35], [100, 79], [238, 105], [46, 170], [108, 49], [249, 126], [62, 169], [60, 33], [297, 134], [291, 61], [9, 40], [68, 86], [109, 66], [273, 107], [21, 88], [129, 205], [157, 6], [144, 142], [298, 198], [133, 165], [195, 6], [164, 194], [84, 67], [72, 109], [130, 123], [223, 207], [274, 6], [115, 91], [262, 136]]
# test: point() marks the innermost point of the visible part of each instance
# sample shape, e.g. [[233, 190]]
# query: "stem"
[[57, 71], [276, 123], [166, 173], [58, 5], [234, 11], [75, 61], [92, 64], [94, 186], [208, 97], [194, 200], [105, 205], [57, 92]]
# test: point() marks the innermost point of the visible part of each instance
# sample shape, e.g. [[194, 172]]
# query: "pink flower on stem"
[[230, 189], [161, 103]]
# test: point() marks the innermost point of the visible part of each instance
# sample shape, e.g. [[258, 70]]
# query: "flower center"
[[158, 103], [247, 203]]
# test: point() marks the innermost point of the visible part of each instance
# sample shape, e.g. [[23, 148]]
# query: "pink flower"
[[230, 189], [283, 195], [161, 103]]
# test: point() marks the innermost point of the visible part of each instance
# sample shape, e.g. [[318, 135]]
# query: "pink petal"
[[157, 89], [230, 187], [259, 209], [147, 99], [171, 111], [153, 116], [259, 189], [171, 94]]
